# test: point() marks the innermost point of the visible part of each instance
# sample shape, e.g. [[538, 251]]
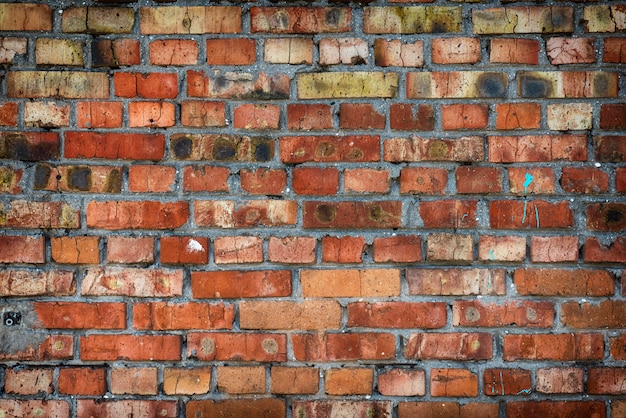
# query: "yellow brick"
[[343, 84], [98, 20], [65, 84], [531, 19], [25, 17], [604, 18], [59, 52], [415, 19], [566, 84], [456, 84], [192, 19]]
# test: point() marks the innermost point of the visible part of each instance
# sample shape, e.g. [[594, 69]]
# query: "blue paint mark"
[[537, 216], [524, 391], [501, 383], [528, 179], [492, 255], [524, 217]]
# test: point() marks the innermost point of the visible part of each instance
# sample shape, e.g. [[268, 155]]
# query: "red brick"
[[112, 146], [618, 347], [456, 281], [447, 409], [614, 50], [115, 52], [37, 283], [235, 408], [257, 116], [315, 181], [607, 380], [25, 408], [360, 116], [134, 381], [346, 51], [399, 249], [240, 249], [402, 382], [342, 408], [151, 178], [191, 315], [289, 51], [453, 383], [554, 249], [620, 179], [456, 50], [449, 346], [184, 250], [606, 314], [519, 313], [388, 53], [518, 115], [300, 19], [423, 180], [205, 178], [287, 315], [129, 250], [368, 214], [478, 179], [342, 249], [22, 249], [531, 180], [596, 252], [573, 409], [81, 315], [606, 216], [610, 148], [54, 347], [202, 114], [450, 247], [537, 148], [263, 181], [243, 214], [349, 381], [449, 213], [350, 283], [294, 380], [147, 86], [151, 114], [39, 215], [120, 408], [186, 381], [324, 347], [8, 113], [230, 284], [293, 250], [560, 380], [137, 282], [86, 381], [413, 149], [136, 215], [404, 117], [130, 347], [397, 315], [464, 116], [29, 146], [99, 114], [169, 52], [365, 180], [515, 214], [555, 347], [514, 51], [612, 116], [309, 117], [28, 381], [500, 382], [563, 282], [238, 85], [241, 380], [301, 149], [236, 346], [501, 248]]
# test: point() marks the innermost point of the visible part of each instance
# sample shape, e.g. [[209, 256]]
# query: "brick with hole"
[[324, 347], [423, 180], [239, 346], [596, 252], [301, 149], [78, 178], [374, 214], [521, 314], [151, 114]]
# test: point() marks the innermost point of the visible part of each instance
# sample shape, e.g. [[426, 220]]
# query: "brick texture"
[[392, 208]]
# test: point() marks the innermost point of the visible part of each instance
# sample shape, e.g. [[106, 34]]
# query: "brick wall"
[[311, 210]]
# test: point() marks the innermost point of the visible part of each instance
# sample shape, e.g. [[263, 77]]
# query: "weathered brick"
[[596, 252], [137, 282], [75, 250], [115, 52], [456, 281], [360, 116], [584, 180], [53, 347], [128, 347], [453, 383], [300, 19], [257, 116], [342, 249], [326, 148], [39, 215], [146, 85], [570, 116], [456, 84], [85, 381], [449, 346], [221, 346], [10, 47], [398, 249], [607, 380], [76, 178], [524, 181], [63, 84], [99, 114], [202, 114], [347, 51], [447, 409], [501, 248], [227, 284], [289, 51], [455, 50], [516, 214], [612, 116], [10, 179], [263, 181], [128, 250], [520, 314], [151, 114], [325, 408], [413, 149], [365, 180], [288, 315], [500, 382], [618, 347], [309, 117], [518, 115], [554, 249], [529, 19], [614, 50], [205, 178], [620, 179], [173, 52], [29, 146], [555, 347], [233, 408], [368, 214], [239, 249], [115, 215], [478, 180], [134, 381], [8, 113], [188, 20], [412, 19], [64, 52], [604, 18], [186, 381], [241, 380], [166, 316], [514, 51], [575, 409], [331, 85], [237, 85], [326, 347], [25, 17], [397, 315], [394, 53], [449, 214], [567, 84], [98, 20], [464, 116], [292, 250], [294, 380], [563, 282], [402, 382], [560, 380], [606, 216], [349, 381], [423, 180], [570, 50], [151, 178], [404, 117], [120, 408], [350, 283], [448, 247], [37, 283], [28, 381], [216, 147], [26, 408], [18, 249], [610, 148], [606, 314], [231, 214], [127, 146]]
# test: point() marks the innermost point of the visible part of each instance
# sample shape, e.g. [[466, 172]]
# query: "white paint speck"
[[194, 246]]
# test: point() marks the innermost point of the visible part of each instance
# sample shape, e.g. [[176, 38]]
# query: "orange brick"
[[99, 114], [22, 249], [520, 314], [402, 382], [456, 281], [349, 381], [456, 50], [397, 315], [394, 53], [263, 181], [237, 346], [257, 116], [464, 116], [189, 381], [295, 250], [453, 383], [200, 114], [350, 283], [8, 113], [231, 51], [518, 115], [399, 249], [287, 315], [115, 52], [554, 249], [563, 282], [342, 250], [184, 250], [130, 347], [151, 178], [241, 380], [555, 347], [76, 250], [134, 381], [173, 52], [309, 117], [360, 116], [82, 381], [449, 346], [28, 381], [343, 346], [295, 380], [315, 181], [81, 315], [151, 114], [514, 51], [229, 284], [205, 178], [128, 250]]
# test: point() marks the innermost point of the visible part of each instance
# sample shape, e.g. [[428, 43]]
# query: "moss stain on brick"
[[114, 181], [79, 178]]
